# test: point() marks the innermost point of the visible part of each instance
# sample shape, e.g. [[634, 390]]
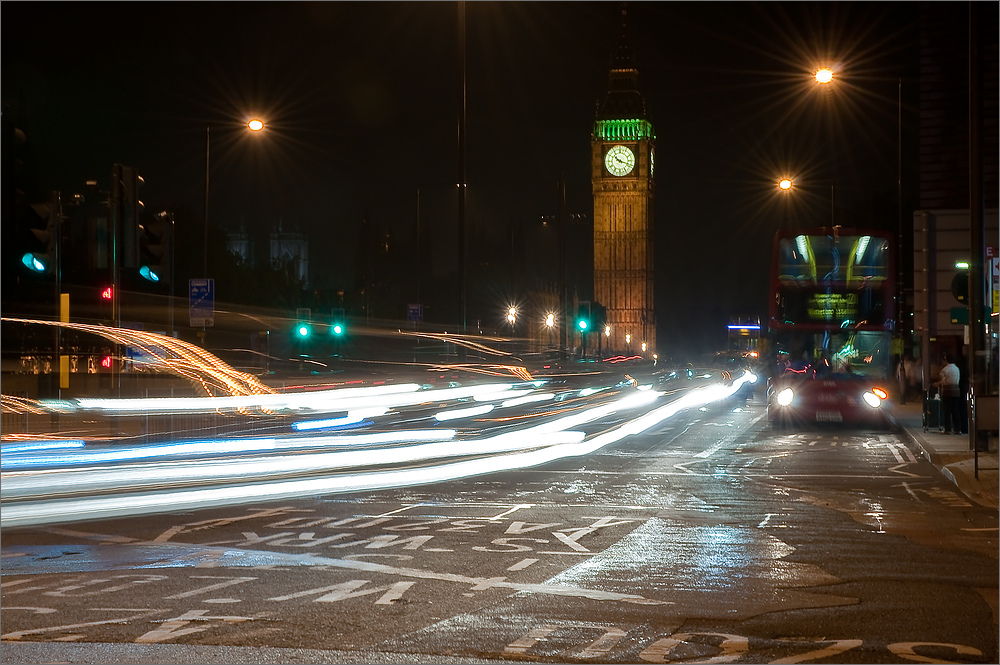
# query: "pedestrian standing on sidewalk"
[[951, 396]]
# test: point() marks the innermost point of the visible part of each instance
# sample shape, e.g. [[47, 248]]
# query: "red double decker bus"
[[830, 326]]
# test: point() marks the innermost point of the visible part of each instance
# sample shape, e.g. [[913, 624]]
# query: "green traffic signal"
[[150, 274], [583, 324], [338, 329], [302, 330], [33, 262]]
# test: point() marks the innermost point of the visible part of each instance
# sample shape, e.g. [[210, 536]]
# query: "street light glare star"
[[824, 75], [785, 184], [255, 125]]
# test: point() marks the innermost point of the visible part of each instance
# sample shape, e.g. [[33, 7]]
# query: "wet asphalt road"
[[709, 539]]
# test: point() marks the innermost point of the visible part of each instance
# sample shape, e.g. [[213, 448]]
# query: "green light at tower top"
[[632, 129]]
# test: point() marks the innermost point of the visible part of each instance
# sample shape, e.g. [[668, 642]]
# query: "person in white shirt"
[[951, 396]]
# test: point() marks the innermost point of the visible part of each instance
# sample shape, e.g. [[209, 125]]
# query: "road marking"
[[177, 626], [511, 510], [906, 486], [570, 553], [683, 467], [420, 573], [100, 537], [899, 469], [225, 521], [43, 610], [906, 650], [611, 636], [230, 581], [137, 614], [401, 510], [346, 590], [732, 646], [836, 647], [522, 564], [516, 528], [62, 592]]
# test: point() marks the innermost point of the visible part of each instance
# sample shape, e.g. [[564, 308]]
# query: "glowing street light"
[[785, 184], [512, 316], [823, 75], [550, 320], [255, 125]]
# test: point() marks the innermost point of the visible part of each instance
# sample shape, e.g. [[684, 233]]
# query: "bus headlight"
[[873, 400], [784, 398]]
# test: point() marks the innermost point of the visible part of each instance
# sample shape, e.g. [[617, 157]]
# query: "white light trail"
[[527, 399], [341, 399], [217, 446], [526, 448], [35, 446], [470, 412], [143, 476]]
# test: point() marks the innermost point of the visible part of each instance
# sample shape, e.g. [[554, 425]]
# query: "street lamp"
[[254, 125], [825, 75], [512, 317]]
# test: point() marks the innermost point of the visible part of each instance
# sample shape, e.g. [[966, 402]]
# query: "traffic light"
[[303, 327], [598, 315], [155, 239], [960, 284], [337, 325], [125, 182], [583, 321], [42, 238]]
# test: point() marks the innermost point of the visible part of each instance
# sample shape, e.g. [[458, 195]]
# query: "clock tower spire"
[[622, 152]]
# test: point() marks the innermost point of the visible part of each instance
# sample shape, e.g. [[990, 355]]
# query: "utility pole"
[[561, 233], [461, 172], [977, 237]]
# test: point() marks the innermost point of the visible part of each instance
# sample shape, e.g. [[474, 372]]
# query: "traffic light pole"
[[115, 206], [55, 221], [563, 300], [977, 239]]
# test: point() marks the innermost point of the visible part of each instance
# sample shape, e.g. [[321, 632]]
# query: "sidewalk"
[[951, 454]]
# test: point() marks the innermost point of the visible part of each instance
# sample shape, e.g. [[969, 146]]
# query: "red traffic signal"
[[107, 293]]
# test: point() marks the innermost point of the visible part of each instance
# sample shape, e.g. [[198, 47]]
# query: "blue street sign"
[[414, 312], [201, 302]]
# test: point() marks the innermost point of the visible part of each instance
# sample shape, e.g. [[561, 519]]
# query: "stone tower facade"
[[623, 145]]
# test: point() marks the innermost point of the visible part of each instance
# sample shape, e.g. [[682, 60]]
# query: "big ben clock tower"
[[622, 149]]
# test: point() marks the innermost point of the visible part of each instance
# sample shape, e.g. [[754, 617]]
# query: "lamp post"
[[255, 125], [825, 75]]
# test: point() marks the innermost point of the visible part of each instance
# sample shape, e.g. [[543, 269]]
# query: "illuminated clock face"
[[619, 160]]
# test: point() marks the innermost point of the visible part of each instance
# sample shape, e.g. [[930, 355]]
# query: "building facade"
[[623, 145]]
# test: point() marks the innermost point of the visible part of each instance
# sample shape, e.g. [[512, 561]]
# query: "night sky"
[[361, 103]]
